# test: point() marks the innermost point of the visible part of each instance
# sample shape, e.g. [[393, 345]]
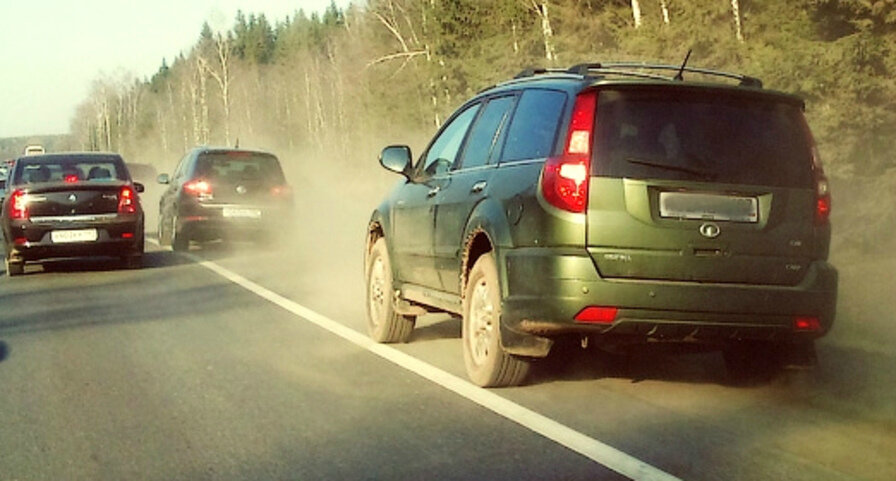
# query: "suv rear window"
[[706, 135], [239, 166]]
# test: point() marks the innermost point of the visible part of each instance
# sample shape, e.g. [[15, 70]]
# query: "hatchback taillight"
[[199, 188], [18, 205], [564, 180], [282, 191], [127, 201]]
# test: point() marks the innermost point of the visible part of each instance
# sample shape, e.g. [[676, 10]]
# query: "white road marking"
[[591, 448]]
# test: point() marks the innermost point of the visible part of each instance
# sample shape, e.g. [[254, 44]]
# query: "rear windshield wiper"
[[703, 174]]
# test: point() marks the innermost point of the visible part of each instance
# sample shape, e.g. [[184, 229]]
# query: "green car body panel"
[[671, 275]]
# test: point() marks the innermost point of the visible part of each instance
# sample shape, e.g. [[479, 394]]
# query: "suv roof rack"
[[640, 70]]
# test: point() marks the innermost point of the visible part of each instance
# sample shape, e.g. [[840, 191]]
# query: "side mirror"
[[397, 158], [139, 187], [163, 179]]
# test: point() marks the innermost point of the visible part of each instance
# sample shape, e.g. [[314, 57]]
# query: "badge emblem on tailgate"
[[710, 230]]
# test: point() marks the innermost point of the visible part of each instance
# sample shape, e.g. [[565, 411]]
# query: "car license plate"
[[699, 206], [66, 236], [240, 212]]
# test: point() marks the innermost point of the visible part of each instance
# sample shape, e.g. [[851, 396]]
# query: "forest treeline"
[[345, 82]]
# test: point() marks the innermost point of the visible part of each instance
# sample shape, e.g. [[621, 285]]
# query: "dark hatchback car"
[[220, 193], [616, 205], [71, 205]]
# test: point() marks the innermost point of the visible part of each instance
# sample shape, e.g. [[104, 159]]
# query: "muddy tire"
[[487, 363], [383, 323], [180, 241], [134, 260], [164, 232]]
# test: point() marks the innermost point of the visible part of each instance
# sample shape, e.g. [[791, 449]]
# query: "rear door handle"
[[432, 192], [478, 187]]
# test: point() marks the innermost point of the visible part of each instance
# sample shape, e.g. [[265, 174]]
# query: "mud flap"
[[522, 344]]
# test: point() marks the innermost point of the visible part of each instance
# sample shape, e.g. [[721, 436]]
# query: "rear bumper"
[[545, 288], [207, 222], [26, 241]]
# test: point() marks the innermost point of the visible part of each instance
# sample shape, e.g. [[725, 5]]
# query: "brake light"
[[18, 205], [127, 201], [70, 178], [807, 324], [564, 180], [597, 314], [198, 187], [281, 191], [822, 200], [822, 188]]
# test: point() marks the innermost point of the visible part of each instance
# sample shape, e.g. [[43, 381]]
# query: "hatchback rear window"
[[239, 167], [701, 135]]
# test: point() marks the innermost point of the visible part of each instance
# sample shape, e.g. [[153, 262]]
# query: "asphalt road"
[[178, 372]]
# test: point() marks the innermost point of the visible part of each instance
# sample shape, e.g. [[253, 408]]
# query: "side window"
[[443, 151], [485, 131], [534, 125], [180, 171]]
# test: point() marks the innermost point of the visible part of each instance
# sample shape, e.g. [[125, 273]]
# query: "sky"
[[51, 51]]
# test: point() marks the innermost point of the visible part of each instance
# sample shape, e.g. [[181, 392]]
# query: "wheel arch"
[[487, 230]]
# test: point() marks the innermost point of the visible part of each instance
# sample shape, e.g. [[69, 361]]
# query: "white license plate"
[[694, 206], [80, 235], [241, 213]]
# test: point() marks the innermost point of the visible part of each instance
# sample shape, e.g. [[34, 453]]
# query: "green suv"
[[614, 203]]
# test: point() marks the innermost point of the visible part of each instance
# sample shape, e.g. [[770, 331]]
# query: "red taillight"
[[822, 188], [822, 200], [564, 180], [18, 205], [808, 324], [70, 178], [281, 191], [198, 187], [597, 314], [127, 201]]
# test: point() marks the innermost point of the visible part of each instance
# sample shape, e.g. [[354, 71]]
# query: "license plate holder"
[[705, 206], [73, 236], [241, 213]]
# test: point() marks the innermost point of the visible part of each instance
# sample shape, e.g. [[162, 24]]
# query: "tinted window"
[[443, 151], [701, 135], [239, 166], [534, 126], [479, 146], [36, 170]]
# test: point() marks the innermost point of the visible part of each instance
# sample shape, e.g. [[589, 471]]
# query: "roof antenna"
[[237, 144], [679, 75]]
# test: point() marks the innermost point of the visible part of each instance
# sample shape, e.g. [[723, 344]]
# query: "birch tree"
[[738, 20]]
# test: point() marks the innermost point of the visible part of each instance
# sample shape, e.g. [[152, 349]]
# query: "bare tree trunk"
[[204, 129], [738, 20], [516, 42], [163, 130], [547, 32], [636, 13], [309, 118], [222, 48], [664, 6], [120, 120]]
